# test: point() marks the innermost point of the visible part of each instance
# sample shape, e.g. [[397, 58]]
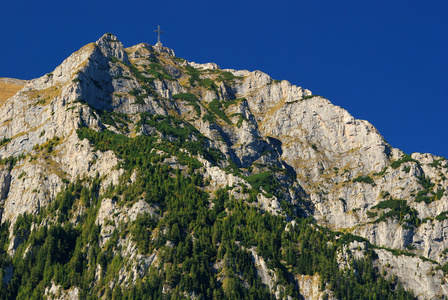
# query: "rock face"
[[418, 274], [327, 164]]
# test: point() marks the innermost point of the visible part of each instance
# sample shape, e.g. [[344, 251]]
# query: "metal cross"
[[158, 36]]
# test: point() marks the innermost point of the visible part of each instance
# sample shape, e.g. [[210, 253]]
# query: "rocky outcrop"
[[416, 274], [5, 183], [57, 292], [310, 287], [111, 47]]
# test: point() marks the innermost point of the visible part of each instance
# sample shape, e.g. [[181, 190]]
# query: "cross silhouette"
[[158, 36]]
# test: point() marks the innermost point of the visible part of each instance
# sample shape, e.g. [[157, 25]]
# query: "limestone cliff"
[[302, 155]]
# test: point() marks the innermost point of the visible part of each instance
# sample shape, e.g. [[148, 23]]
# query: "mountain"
[[130, 173]]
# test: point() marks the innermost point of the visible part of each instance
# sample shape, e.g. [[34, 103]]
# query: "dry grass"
[[7, 91]]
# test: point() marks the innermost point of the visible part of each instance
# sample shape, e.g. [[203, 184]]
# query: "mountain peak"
[[111, 46]]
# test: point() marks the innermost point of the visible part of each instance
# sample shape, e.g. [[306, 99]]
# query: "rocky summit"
[[130, 173]]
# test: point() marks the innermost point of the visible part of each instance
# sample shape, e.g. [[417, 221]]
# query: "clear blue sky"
[[383, 61]]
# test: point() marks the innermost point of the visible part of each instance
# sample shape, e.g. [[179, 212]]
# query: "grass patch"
[[365, 179], [216, 108], [402, 160], [265, 180], [309, 97], [7, 91]]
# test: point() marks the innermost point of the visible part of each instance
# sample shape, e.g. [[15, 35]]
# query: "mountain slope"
[[131, 171], [9, 87]]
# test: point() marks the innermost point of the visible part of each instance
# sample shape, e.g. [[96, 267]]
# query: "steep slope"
[[157, 175], [9, 87]]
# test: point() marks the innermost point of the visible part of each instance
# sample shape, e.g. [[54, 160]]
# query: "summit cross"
[[158, 34]]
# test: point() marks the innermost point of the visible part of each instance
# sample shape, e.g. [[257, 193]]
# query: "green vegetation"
[[309, 97], [11, 161], [402, 160], [196, 80], [189, 236], [208, 83], [241, 119], [410, 247], [181, 135], [114, 59], [227, 104], [191, 99], [383, 171], [48, 145], [208, 118], [384, 194], [265, 180], [226, 77], [199, 236], [444, 268], [365, 179], [139, 96], [157, 72], [442, 216], [4, 141], [187, 97], [41, 101], [153, 71], [371, 214], [194, 75], [399, 210], [436, 163], [216, 108], [118, 120], [427, 195], [397, 252]]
